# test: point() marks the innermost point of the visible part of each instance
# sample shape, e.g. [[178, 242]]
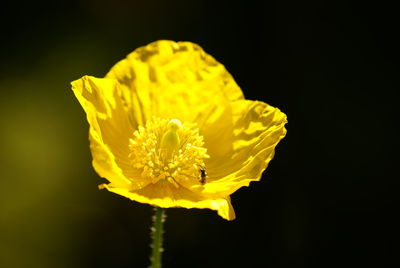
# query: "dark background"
[[328, 199]]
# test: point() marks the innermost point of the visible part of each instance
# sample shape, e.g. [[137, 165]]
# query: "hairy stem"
[[157, 231]]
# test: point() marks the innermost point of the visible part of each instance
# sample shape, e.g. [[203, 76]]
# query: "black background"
[[328, 199]]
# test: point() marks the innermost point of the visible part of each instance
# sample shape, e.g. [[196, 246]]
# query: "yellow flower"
[[170, 127]]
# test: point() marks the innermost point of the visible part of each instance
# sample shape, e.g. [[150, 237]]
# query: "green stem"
[[157, 231]]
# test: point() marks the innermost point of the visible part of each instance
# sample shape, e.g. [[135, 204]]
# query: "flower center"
[[167, 150]]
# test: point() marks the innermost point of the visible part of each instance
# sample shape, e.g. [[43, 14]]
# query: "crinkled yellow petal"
[[175, 80], [110, 129], [241, 147], [163, 194]]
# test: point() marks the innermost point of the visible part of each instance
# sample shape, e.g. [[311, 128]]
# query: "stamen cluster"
[[179, 164]]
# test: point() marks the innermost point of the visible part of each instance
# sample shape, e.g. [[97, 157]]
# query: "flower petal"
[[241, 148], [163, 194], [174, 80], [110, 129]]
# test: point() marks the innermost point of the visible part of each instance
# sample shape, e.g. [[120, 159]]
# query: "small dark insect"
[[203, 175]]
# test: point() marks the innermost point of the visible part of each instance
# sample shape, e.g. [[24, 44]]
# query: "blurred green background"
[[328, 198]]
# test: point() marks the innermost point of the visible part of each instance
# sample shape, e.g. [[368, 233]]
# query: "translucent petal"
[[165, 195], [110, 129], [240, 147], [174, 80]]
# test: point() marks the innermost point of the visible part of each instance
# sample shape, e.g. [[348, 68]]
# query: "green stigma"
[[170, 140]]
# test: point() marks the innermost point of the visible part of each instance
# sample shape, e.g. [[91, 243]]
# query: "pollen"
[[166, 150]]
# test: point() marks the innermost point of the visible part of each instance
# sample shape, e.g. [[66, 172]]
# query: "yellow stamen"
[[168, 150]]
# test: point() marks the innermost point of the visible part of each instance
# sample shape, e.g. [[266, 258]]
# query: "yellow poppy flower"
[[170, 127]]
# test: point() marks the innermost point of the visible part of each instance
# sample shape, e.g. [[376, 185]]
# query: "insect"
[[203, 175]]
